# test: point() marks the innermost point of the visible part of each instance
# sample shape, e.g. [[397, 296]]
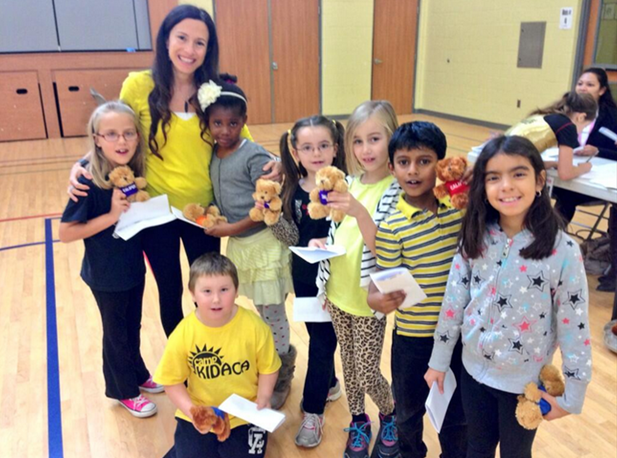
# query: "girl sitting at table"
[[559, 125]]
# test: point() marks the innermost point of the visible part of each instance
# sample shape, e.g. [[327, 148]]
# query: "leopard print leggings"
[[361, 341]]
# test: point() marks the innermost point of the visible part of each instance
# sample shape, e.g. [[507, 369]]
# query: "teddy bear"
[[206, 217], [531, 407], [122, 177], [207, 418], [451, 170], [267, 193], [327, 179]]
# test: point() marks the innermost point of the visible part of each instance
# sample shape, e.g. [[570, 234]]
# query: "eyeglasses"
[[323, 148], [113, 137]]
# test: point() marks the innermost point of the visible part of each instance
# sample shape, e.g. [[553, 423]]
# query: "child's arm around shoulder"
[[77, 230]]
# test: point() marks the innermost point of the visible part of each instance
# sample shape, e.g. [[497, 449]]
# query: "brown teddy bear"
[[211, 419], [529, 411], [206, 217], [122, 177], [451, 170], [267, 193], [328, 179]]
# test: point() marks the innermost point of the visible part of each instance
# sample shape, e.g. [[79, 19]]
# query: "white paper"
[[179, 215], [437, 404], [267, 419], [310, 310], [142, 215], [313, 255], [399, 279], [608, 133], [565, 19], [552, 154], [604, 175]]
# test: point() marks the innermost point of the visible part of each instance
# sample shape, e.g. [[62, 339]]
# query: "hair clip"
[[209, 93]]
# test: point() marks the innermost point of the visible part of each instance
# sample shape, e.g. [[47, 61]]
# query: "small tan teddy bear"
[[267, 193], [327, 179], [529, 411], [211, 419], [122, 177], [451, 170], [206, 217]]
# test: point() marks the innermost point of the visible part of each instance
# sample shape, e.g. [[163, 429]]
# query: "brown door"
[[295, 52], [242, 29], [394, 49]]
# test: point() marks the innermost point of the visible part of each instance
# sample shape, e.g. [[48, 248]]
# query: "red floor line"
[[19, 218], [42, 158]]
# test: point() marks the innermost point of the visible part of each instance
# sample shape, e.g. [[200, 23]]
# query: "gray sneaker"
[[334, 392], [311, 430]]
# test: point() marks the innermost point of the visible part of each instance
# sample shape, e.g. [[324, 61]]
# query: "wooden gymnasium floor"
[[52, 399]]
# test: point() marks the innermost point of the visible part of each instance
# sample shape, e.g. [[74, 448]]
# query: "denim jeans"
[[410, 357]]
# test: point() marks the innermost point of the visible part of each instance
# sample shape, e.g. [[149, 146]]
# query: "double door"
[[273, 48]]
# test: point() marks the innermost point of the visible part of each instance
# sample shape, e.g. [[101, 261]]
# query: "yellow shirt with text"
[[218, 362]]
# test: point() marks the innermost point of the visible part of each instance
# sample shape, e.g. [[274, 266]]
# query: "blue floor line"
[[54, 412], [24, 245]]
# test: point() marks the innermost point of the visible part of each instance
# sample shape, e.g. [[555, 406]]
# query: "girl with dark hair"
[[559, 125], [263, 262], [311, 144], [594, 82], [180, 144], [517, 289]]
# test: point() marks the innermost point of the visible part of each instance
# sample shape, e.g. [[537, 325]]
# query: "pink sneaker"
[[140, 406], [150, 386]]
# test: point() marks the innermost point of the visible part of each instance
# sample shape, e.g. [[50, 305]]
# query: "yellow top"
[[424, 243], [184, 172], [343, 287], [218, 362], [536, 130]]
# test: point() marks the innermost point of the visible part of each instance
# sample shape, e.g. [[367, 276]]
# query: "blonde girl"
[[342, 282], [113, 268]]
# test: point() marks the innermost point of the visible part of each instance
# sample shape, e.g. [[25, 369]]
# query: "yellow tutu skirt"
[[263, 264]]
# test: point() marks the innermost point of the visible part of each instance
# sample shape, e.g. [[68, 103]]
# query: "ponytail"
[[571, 102], [293, 170]]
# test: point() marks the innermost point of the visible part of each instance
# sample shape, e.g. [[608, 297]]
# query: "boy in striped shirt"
[[420, 235]]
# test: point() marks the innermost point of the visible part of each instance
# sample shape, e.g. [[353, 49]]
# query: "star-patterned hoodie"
[[513, 312]]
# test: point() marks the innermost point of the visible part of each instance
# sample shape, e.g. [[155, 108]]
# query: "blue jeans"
[[491, 418], [410, 357]]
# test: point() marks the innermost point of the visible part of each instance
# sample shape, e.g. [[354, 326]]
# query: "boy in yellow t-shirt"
[[219, 349]]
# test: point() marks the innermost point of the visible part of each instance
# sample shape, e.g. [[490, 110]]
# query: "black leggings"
[[162, 247], [123, 366], [491, 420]]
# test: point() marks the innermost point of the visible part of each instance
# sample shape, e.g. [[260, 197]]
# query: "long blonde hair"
[[383, 112], [99, 166]]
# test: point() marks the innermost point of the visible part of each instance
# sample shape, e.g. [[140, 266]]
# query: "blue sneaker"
[[359, 439], [386, 445]]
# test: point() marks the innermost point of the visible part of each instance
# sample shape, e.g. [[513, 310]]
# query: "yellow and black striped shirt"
[[425, 243]]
